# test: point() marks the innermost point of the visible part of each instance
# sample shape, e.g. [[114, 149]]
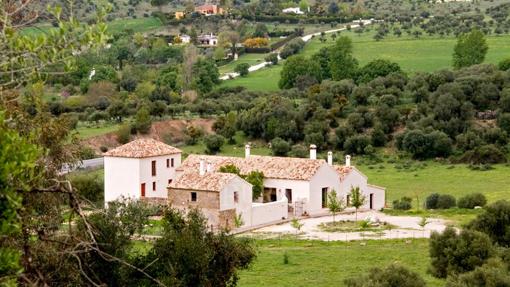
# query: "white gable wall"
[[243, 205], [326, 176], [356, 179], [121, 178]]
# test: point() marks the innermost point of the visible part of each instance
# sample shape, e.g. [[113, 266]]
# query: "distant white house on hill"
[[293, 10], [291, 186]]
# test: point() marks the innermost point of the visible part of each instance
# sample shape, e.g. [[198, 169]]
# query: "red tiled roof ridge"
[[141, 148]]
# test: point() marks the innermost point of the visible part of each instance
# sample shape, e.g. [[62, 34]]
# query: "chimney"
[[247, 151], [202, 166], [347, 160], [209, 167], [313, 151], [330, 157]]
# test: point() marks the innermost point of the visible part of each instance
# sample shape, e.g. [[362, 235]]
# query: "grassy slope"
[[314, 263], [426, 54]]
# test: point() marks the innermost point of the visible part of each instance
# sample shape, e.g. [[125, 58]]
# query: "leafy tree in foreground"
[[470, 49], [391, 276], [335, 205], [189, 254], [357, 199]]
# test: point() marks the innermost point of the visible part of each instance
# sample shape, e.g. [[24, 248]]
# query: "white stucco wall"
[[379, 196], [269, 212], [356, 179], [327, 177], [121, 178], [163, 174], [124, 176], [243, 205]]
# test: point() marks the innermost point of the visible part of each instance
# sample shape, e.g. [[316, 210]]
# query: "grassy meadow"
[[317, 263], [425, 54]]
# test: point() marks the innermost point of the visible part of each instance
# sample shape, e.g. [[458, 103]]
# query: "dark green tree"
[[470, 49], [342, 63]]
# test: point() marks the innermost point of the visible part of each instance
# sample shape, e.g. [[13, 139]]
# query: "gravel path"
[[407, 228], [306, 38]]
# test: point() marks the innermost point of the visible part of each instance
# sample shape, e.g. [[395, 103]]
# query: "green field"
[[252, 59], [90, 130], [316, 263], [456, 180], [426, 54]]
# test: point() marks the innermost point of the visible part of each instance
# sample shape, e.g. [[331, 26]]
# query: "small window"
[[236, 197], [153, 186], [153, 168], [193, 196], [167, 162], [172, 162], [169, 181]]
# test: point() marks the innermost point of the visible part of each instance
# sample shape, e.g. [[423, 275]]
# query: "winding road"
[[306, 38]]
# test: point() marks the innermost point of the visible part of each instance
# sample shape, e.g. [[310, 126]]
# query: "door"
[[324, 197], [142, 190], [371, 201]]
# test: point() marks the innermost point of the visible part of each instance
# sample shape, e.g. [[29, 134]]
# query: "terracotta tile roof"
[[342, 170], [210, 181], [141, 148], [272, 167]]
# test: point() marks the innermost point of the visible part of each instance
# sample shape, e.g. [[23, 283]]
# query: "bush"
[[280, 147], [405, 203], [272, 58], [143, 121], [431, 201], [445, 201], [453, 253], [472, 200], [299, 150], [213, 143], [123, 134], [504, 65], [393, 275], [242, 69], [494, 222], [357, 144], [89, 185]]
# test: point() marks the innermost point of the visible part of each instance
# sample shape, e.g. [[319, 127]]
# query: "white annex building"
[[291, 186]]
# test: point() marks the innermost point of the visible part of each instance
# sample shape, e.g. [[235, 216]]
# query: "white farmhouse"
[[142, 168], [293, 10], [148, 169]]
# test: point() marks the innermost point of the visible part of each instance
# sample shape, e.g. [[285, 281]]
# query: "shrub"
[[445, 201], [494, 221], [299, 150], [143, 121], [89, 185], [453, 253], [242, 69], [213, 143], [405, 203], [504, 65], [472, 200], [280, 147], [357, 144], [123, 134], [393, 275], [272, 58], [431, 201]]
